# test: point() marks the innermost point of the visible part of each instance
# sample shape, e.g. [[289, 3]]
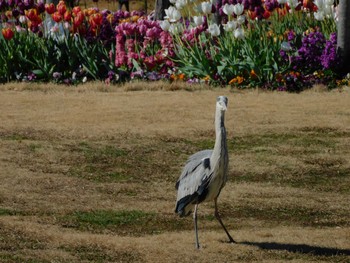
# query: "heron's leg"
[[221, 223], [195, 225]]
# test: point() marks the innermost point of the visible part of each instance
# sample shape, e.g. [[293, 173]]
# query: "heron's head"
[[221, 103]]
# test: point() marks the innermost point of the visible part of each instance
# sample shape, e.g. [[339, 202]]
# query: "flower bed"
[[284, 45]]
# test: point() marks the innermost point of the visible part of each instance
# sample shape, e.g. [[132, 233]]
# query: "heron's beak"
[[223, 106]]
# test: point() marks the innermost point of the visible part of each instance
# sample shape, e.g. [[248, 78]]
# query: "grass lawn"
[[88, 174]]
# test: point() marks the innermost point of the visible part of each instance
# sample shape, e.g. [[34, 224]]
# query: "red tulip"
[[61, 7], [96, 20], [76, 10], [7, 33], [50, 8], [78, 19], [32, 14], [67, 16], [57, 17]]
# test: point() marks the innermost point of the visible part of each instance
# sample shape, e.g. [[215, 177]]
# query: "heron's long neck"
[[220, 132]]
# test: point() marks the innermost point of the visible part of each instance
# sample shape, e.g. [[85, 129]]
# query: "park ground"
[[88, 173]]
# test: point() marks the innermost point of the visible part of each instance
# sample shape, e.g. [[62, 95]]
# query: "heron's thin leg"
[[195, 225], [221, 223]]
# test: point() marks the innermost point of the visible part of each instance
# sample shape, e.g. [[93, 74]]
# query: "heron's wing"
[[193, 162], [193, 183]]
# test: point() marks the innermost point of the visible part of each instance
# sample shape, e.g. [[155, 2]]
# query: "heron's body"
[[205, 173]]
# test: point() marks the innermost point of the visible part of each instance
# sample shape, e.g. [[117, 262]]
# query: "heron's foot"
[[231, 240], [197, 246]]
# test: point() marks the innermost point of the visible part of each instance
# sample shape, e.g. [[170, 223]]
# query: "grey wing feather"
[[193, 182], [192, 163]]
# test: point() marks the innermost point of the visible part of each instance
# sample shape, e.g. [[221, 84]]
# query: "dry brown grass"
[[87, 174]]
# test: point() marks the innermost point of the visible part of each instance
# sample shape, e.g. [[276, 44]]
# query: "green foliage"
[[69, 56], [255, 59]]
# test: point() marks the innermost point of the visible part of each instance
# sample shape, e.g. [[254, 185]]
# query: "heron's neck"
[[220, 132]]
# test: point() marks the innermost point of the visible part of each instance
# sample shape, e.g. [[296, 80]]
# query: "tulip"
[[180, 4], [78, 19], [319, 15], [22, 19], [165, 25], [8, 14], [7, 33], [172, 14], [198, 20], [31, 14], [76, 10], [96, 19], [230, 26], [67, 16], [239, 33], [293, 3], [285, 46], [206, 7], [228, 9], [50, 8], [57, 17], [238, 9], [240, 20], [214, 30], [61, 7]]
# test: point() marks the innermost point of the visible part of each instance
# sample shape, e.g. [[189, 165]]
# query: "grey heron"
[[205, 174]]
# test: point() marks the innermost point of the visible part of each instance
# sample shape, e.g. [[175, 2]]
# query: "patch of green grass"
[[15, 137], [96, 153], [33, 147], [286, 215], [127, 223], [6, 212], [100, 163], [107, 219], [332, 179]]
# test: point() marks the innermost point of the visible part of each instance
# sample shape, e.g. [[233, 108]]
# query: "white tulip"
[[239, 33], [285, 46], [165, 25], [293, 3], [238, 9], [180, 4], [22, 19], [230, 26], [319, 15], [319, 4], [175, 28], [198, 20], [206, 7], [214, 30], [172, 14], [281, 2], [228, 9], [241, 20]]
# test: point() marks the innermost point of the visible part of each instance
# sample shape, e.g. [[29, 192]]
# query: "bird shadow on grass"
[[299, 248]]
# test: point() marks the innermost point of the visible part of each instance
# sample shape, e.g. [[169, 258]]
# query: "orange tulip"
[[8, 14], [7, 33]]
